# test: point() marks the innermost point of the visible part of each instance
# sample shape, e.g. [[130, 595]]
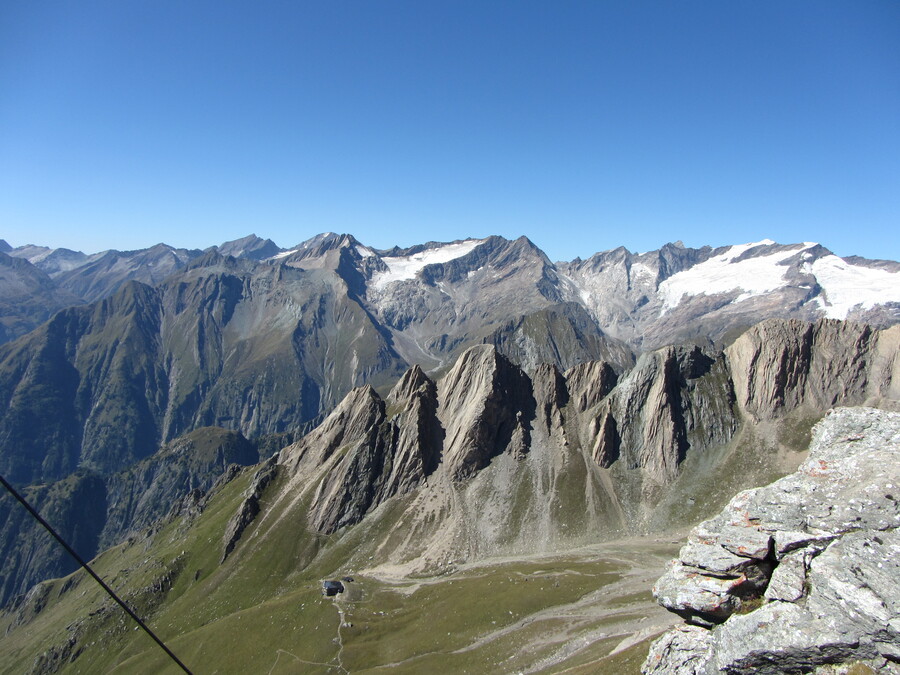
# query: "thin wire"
[[87, 568]]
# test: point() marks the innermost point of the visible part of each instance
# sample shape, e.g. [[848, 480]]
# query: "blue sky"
[[582, 125]]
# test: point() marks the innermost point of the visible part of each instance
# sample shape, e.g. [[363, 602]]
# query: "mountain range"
[[437, 405]]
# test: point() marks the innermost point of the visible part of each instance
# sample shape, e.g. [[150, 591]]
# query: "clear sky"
[[582, 125]]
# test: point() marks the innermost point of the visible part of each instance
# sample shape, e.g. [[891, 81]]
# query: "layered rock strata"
[[813, 555]]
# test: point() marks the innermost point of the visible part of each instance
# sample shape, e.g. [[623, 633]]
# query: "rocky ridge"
[[817, 548], [530, 450]]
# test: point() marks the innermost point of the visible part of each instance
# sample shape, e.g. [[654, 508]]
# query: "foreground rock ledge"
[[802, 575]]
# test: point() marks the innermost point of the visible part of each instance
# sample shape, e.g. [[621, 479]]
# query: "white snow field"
[[847, 286], [720, 274], [406, 267]]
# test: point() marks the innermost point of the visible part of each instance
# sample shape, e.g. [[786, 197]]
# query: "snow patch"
[[283, 254], [365, 252], [847, 286], [720, 274], [641, 271], [405, 267]]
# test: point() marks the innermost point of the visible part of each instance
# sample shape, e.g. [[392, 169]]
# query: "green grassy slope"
[[262, 610]]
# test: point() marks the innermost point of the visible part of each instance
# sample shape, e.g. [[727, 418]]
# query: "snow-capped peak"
[[406, 267], [724, 273]]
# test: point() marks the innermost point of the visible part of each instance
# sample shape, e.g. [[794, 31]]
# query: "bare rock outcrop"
[[372, 450], [249, 507], [486, 408], [816, 549], [589, 383], [551, 395], [674, 399]]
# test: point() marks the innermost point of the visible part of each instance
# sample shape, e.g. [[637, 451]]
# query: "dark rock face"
[[819, 547], [249, 508], [673, 399], [145, 492]]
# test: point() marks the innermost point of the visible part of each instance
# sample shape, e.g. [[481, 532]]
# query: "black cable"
[[87, 567]]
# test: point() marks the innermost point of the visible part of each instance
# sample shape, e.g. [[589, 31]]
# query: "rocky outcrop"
[[416, 436], [249, 507], [589, 382], [674, 399], [486, 408], [815, 551], [370, 451], [551, 395]]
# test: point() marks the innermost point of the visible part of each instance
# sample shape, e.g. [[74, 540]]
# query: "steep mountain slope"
[[442, 476], [93, 512], [227, 343]]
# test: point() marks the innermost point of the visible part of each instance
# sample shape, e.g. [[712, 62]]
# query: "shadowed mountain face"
[[226, 343], [93, 512]]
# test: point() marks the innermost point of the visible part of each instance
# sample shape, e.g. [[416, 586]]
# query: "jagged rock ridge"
[[490, 436]]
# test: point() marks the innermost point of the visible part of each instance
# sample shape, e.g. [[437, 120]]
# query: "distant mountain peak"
[[251, 246]]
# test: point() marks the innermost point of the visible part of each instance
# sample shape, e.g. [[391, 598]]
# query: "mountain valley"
[[494, 446]]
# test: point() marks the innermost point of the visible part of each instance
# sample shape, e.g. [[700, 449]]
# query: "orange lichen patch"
[[820, 468], [744, 519]]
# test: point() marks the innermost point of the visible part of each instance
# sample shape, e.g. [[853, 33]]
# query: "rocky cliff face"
[[779, 365], [817, 549], [368, 451]]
